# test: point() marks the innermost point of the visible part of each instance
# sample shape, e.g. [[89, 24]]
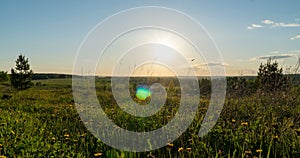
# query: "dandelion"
[[170, 144], [180, 149], [259, 150], [66, 135], [244, 123], [97, 154], [220, 152], [189, 149]]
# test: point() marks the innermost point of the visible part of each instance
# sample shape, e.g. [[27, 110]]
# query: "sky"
[[246, 32]]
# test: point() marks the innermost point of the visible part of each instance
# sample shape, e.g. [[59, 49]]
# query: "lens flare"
[[142, 93]]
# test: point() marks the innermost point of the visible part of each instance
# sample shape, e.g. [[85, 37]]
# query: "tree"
[[4, 76], [22, 74], [270, 77]]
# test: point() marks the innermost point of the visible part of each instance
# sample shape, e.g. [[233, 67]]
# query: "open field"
[[42, 122]]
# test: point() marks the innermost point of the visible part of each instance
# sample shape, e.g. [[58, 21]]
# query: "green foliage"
[[3, 76], [22, 74], [270, 77], [43, 122]]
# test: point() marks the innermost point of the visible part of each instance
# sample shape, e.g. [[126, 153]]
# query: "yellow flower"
[[2, 156], [189, 149], [180, 149], [1, 145], [66, 135], [276, 137], [244, 123], [233, 120], [259, 150], [170, 144], [13, 132], [247, 152], [97, 154], [53, 138]]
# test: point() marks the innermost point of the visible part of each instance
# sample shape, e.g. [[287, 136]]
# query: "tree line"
[[270, 78]]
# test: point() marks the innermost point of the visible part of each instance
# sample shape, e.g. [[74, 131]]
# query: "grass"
[[42, 122]]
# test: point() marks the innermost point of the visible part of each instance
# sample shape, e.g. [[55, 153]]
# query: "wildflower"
[[233, 120], [170, 144], [1, 145], [2, 156], [248, 152], [53, 138], [97, 154], [244, 123], [276, 137], [259, 150], [220, 152], [180, 149], [189, 149], [66, 135]]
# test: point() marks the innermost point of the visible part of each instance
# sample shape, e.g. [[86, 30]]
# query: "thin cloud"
[[294, 51], [271, 23], [254, 26], [267, 22], [281, 24], [273, 57], [211, 64], [295, 37]]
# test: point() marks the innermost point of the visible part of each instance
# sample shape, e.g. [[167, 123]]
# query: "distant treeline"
[[38, 76]]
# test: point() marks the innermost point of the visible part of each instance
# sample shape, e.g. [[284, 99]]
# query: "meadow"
[[42, 121]]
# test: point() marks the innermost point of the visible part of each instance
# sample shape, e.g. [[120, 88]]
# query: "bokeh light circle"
[[126, 33]]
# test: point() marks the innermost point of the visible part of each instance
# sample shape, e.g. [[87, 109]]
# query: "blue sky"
[[246, 31]]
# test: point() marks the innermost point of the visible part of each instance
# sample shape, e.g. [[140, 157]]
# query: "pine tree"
[[22, 74], [4, 76], [270, 77]]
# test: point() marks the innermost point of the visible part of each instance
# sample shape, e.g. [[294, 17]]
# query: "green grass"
[[42, 122]]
